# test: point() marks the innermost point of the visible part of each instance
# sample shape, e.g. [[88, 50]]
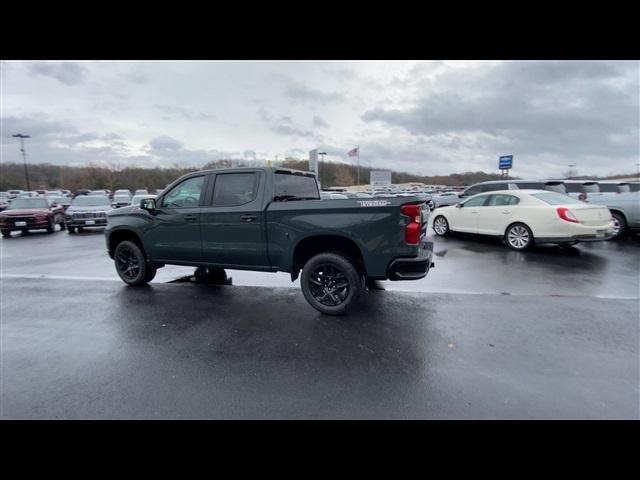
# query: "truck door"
[[175, 234], [233, 223]]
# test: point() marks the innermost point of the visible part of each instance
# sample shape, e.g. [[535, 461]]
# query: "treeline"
[[341, 174], [331, 174], [51, 177]]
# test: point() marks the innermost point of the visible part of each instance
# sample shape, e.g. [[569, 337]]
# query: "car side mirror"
[[148, 204], [54, 205], [460, 195], [459, 205]]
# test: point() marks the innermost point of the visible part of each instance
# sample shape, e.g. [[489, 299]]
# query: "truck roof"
[[252, 169]]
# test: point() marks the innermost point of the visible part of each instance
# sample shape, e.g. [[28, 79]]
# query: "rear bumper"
[[99, 222], [413, 268]]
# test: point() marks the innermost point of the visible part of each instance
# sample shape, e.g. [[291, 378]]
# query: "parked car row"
[[46, 211]]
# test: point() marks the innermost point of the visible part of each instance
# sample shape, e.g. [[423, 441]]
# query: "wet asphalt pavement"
[[490, 333]]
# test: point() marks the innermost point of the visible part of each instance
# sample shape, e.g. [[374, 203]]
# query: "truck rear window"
[[290, 185]]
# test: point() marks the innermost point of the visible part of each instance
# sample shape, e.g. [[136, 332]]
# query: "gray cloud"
[[301, 92], [174, 112], [294, 131], [565, 108], [67, 73], [164, 143], [319, 121]]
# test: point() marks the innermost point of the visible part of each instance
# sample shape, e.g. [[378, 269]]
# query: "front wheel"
[[131, 265], [331, 283], [441, 226], [518, 237], [51, 227], [71, 229], [6, 232]]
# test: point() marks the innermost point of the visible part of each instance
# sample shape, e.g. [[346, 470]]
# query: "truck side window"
[[232, 189], [184, 195]]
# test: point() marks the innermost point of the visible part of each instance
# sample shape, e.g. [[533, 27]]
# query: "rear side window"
[[609, 188], [554, 187], [476, 201], [634, 187], [502, 200], [232, 189], [288, 185], [573, 187], [530, 185], [552, 198], [493, 187]]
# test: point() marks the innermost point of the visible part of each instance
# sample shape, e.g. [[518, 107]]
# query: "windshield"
[[90, 201], [556, 199], [295, 186], [20, 203]]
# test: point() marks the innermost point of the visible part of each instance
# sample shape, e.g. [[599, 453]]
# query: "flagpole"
[[358, 168]]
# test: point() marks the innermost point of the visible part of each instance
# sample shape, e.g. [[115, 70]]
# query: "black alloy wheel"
[[331, 282]]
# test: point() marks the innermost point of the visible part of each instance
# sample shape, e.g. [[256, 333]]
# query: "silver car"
[[624, 208]]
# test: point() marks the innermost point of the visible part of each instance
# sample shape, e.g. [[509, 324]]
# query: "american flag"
[[353, 153]]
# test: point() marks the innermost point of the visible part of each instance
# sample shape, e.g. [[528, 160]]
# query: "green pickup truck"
[[272, 220]]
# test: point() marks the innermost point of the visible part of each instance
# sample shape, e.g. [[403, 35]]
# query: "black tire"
[[518, 237], [71, 230], [51, 227], [619, 226], [331, 283], [62, 226], [131, 264], [6, 232], [442, 226], [80, 230]]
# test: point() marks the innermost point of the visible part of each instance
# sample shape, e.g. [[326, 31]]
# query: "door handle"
[[506, 212], [190, 218], [248, 218]]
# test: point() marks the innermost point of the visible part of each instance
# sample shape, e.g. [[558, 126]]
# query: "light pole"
[[570, 171], [322, 162], [24, 157]]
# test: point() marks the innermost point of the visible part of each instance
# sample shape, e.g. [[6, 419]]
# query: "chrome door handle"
[[506, 211], [190, 218], [248, 218]]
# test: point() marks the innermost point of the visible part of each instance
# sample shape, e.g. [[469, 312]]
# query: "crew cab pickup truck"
[[272, 220]]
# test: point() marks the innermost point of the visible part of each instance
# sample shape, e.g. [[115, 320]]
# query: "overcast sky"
[[422, 117]]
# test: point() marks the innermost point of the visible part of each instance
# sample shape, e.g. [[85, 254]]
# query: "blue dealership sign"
[[506, 161]]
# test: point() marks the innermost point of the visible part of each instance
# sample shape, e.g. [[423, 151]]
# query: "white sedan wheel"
[[519, 237], [440, 225]]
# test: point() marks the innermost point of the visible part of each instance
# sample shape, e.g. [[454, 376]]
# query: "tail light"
[[413, 230], [566, 215]]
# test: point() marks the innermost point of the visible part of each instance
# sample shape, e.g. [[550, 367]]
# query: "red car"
[[26, 214]]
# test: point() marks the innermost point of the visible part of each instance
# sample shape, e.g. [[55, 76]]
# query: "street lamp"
[[24, 157], [570, 171], [322, 162]]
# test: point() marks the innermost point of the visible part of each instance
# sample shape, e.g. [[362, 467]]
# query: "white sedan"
[[525, 217]]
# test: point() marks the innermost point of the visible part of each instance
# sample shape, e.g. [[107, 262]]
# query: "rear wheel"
[[441, 226], [71, 229], [519, 237], [619, 225], [131, 265], [331, 283], [62, 226]]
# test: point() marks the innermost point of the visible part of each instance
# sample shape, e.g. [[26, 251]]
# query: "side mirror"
[[54, 205], [459, 205], [460, 195], [148, 204]]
